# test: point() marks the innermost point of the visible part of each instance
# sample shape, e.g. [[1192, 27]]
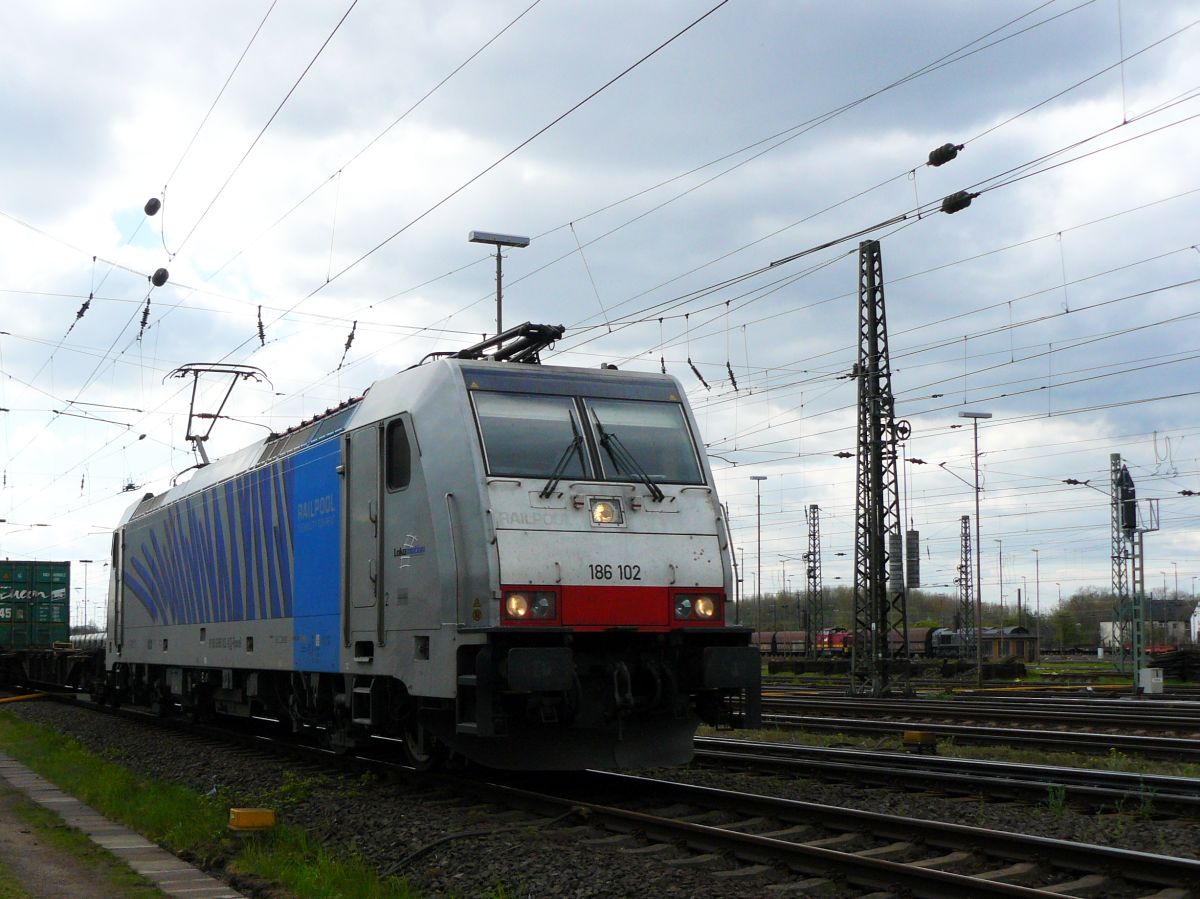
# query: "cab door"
[[410, 581], [363, 585]]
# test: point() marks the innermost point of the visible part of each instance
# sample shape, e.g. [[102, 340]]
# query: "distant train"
[[523, 564], [923, 642]]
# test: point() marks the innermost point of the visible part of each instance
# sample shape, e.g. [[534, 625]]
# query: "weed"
[[1056, 801], [1145, 809]]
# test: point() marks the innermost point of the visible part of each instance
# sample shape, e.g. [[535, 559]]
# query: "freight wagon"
[[34, 604]]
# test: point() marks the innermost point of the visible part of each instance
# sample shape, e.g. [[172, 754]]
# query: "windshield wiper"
[[624, 460], [561, 467]]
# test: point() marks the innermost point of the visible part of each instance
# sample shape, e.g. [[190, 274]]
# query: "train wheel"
[[421, 748]]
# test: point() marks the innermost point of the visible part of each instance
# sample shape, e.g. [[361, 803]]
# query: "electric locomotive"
[[525, 565]]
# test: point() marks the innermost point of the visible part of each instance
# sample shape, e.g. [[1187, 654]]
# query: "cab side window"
[[399, 456]]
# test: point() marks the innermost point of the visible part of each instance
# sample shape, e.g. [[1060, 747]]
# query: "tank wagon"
[[524, 564]]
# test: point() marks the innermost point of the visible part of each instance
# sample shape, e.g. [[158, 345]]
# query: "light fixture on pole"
[[498, 241], [758, 479], [975, 416]]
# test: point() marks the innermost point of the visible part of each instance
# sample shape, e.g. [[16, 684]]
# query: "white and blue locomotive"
[[522, 564]]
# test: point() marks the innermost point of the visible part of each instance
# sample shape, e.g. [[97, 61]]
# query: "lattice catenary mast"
[[966, 593], [880, 613], [815, 596]]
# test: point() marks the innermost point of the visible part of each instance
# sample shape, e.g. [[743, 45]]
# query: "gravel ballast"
[[387, 821]]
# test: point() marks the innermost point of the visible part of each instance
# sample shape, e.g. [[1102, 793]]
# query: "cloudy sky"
[[320, 165]]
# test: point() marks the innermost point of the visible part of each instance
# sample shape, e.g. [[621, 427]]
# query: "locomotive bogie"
[[527, 565]]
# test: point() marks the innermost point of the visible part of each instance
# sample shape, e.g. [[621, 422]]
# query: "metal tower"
[[966, 593], [1129, 525], [815, 596], [880, 614], [1122, 556]]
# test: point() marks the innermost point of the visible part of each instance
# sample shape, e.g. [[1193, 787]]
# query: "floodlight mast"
[[498, 241]]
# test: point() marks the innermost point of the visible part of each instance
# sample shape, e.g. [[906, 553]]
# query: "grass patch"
[[194, 826], [10, 886]]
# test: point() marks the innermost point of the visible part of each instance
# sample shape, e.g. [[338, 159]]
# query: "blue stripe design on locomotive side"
[[218, 577], [313, 490], [235, 563], [157, 584], [267, 510], [256, 575], [175, 544], [186, 570], [202, 543], [154, 581], [169, 591], [283, 542], [194, 555], [264, 545], [135, 581], [246, 513], [266, 499], [229, 581]]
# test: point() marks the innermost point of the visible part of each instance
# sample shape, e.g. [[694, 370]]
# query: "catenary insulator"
[[957, 201], [943, 154], [154, 204], [159, 278]]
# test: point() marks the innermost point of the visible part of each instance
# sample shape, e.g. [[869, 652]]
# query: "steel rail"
[[1158, 719], [957, 775], [1067, 741], [1139, 867]]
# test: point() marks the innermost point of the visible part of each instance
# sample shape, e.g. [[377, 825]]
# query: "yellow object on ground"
[[22, 698], [921, 740], [251, 819]]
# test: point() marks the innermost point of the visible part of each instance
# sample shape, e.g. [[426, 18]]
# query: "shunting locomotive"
[[525, 565]]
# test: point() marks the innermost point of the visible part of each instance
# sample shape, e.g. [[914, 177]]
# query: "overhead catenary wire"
[[220, 190], [217, 99], [372, 142]]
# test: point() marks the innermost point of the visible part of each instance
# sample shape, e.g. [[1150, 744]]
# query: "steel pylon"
[[880, 612]]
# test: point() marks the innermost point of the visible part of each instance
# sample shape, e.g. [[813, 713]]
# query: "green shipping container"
[[35, 609]]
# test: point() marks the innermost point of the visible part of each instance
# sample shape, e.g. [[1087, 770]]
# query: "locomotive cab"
[[609, 624]]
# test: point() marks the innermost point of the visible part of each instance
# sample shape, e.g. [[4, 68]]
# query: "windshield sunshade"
[[654, 437], [527, 436]]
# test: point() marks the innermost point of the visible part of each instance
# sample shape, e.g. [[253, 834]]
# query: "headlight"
[[690, 607], [516, 605], [530, 605], [607, 511]]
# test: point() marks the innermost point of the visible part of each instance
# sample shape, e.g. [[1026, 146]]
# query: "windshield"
[[527, 436], [655, 438]]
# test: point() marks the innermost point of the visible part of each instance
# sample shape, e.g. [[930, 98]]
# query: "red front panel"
[[605, 606]]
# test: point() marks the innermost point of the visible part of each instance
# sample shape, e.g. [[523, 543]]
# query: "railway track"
[[800, 846], [1177, 748], [1150, 794], [1181, 717], [782, 845]]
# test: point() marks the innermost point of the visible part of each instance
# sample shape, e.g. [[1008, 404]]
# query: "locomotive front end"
[[612, 634]]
